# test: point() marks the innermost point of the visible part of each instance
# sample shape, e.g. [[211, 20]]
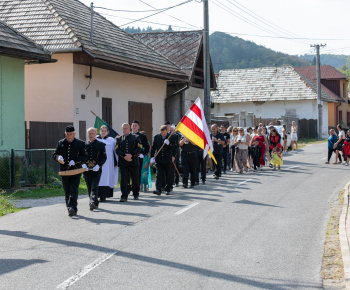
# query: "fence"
[[27, 168], [5, 169]]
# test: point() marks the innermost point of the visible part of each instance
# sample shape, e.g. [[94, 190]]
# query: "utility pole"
[[318, 78], [92, 22], [206, 63]]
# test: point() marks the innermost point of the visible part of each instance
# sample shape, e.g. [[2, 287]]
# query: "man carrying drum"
[[71, 154]]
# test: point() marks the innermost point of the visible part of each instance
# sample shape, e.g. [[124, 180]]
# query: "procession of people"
[[100, 157]]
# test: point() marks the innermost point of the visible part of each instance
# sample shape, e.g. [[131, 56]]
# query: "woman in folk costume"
[[276, 156], [146, 178], [346, 148], [109, 177]]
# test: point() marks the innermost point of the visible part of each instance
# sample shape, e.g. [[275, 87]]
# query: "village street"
[[253, 231]]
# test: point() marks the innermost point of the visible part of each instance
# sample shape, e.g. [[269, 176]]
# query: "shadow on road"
[[10, 265], [169, 264]]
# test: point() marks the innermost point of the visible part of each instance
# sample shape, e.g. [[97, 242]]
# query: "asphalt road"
[[253, 231]]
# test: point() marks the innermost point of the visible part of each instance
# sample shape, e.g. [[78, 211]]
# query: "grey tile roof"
[[181, 47], [12, 43], [264, 84], [64, 25]]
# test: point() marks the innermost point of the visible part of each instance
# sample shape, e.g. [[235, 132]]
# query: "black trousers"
[[225, 157], [127, 172], [256, 162], [218, 166], [164, 176], [189, 161], [330, 152], [177, 163], [140, 167], [71, 187], [92, 179], [201, 166], [233, 153]]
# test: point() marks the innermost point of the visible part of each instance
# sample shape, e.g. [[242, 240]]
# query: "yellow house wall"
[[121, 88], [49, 90]]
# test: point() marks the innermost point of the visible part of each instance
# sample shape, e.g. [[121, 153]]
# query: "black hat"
[[136, 122], [70, 128], [167, 123]]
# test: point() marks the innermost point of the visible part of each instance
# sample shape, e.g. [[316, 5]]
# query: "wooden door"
[[107, 111], [142, 112]]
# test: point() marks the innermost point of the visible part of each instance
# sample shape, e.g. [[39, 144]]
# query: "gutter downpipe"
[[336, 114]]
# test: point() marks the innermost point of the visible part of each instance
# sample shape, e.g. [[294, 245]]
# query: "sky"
[[288, 26]]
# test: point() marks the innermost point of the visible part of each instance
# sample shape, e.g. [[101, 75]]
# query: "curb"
[[344, 244]]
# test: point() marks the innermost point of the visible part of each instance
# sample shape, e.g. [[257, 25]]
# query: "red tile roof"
[[327, 72]]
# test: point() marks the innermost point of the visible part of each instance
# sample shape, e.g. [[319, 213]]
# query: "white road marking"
[[238, 184], [186, 208], [293, 167], [324, 158], [70, 281]]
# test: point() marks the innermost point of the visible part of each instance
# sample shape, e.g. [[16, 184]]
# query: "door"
[[142, 112], [107, 111]]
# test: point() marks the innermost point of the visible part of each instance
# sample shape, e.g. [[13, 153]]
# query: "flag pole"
[[93, 113], [177, 171], [172, 132]]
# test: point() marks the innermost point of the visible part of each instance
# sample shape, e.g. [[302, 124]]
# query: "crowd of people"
[[99, 158], [340, 145]]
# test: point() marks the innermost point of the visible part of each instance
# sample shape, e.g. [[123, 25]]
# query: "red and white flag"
[[194, 127]]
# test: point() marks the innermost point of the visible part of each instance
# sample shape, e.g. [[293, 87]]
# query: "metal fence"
[[28, 167], [5, 169]]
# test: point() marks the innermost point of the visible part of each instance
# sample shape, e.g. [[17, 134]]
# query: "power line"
[[150, 22], [171, 15], [188, 1], [136, 11]]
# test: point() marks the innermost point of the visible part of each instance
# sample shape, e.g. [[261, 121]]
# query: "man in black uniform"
[[71, 154], [135, 126], [188, 158], [174, 139], [96, 158], [218, 141], [128, 148], [226, 147], [165, 157], [201, 165]]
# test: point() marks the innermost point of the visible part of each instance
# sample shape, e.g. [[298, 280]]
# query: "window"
[[341, 117]]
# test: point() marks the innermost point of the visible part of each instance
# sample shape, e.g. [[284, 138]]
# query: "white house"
[[246, 95], [100, 68]]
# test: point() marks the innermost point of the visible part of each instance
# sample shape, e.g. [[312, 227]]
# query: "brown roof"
[[181, 47], [64, 26], [14, 44], [327, 72], [308, 73]]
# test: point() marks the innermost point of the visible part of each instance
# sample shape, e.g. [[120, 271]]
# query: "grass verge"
[[304, 142], [6, 206], [332, 271]]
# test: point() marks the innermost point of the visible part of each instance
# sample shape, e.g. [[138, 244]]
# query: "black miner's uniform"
[[256, 153], [96, 156], [144, 149], [163, 161], [226, 150], [74, 150], [218, 150], [201, 165], [129, 144], [189, 161]]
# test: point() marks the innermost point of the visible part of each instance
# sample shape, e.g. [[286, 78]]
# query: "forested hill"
[[230, 52], [334, 60]]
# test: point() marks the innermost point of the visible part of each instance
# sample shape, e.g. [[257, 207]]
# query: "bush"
[[5, 205]]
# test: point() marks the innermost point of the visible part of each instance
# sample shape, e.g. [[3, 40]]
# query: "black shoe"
[[123, 200], [136, 197], [192, 185], [203, 181], [157, 192], [102, 199], [185, 185], [92, 206], [220, 175], [168, 193], [216, 177], [197, 183], [71, 212]]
